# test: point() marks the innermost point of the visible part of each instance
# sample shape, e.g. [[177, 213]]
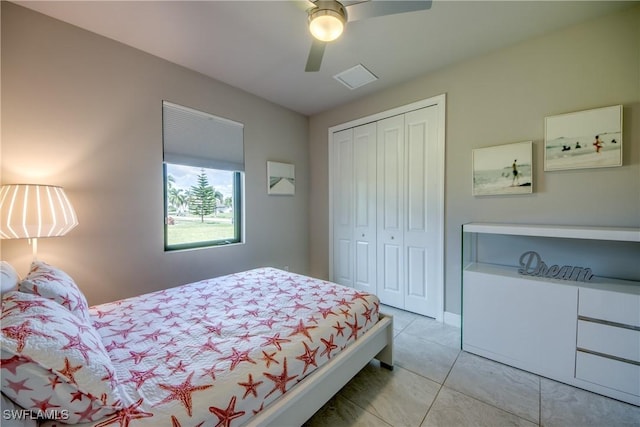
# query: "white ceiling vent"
[[355, 77]]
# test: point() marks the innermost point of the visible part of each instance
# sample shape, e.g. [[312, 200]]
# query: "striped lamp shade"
[[32, 211]]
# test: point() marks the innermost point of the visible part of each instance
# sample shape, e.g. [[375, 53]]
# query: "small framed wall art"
[[503, 169], [584, 139], [281, 179]]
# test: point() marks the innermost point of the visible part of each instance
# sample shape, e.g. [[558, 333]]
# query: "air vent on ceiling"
[[355, 77]]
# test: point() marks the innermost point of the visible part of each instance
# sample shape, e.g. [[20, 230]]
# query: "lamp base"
[[34, 247]]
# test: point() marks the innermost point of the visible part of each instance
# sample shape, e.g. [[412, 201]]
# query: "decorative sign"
[[531, 264]]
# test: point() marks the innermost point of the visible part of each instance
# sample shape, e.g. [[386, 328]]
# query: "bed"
[[261, 347]]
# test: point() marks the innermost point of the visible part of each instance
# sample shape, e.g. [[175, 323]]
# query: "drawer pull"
[[609, 323], [608, 356]]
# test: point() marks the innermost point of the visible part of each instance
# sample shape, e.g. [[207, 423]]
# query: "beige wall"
[[84, 112], [504, 97]]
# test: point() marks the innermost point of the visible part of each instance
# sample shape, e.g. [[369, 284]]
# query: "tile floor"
[[434, 383]]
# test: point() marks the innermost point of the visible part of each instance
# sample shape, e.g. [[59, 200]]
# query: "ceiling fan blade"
[[315, 55], [373, 8], [304, 4]]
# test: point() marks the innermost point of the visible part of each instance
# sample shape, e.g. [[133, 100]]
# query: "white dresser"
[[583, 333]]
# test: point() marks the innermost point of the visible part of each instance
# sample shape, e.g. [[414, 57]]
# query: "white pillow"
[[50, 282], [51, 356], [9, 278]]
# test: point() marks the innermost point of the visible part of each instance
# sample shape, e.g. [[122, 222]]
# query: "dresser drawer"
[[609, 373], [615, 307], [609, 340]]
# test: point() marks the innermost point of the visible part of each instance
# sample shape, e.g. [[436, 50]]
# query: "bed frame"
[[298, 404]]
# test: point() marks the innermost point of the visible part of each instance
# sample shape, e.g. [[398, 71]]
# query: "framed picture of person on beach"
[[503, 169], [584, 139]]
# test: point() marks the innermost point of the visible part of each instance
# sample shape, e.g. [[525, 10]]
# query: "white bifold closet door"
[[408, 226], [391, 217], [354, 215]]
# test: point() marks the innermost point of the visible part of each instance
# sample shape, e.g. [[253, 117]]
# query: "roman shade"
[[195, 138]]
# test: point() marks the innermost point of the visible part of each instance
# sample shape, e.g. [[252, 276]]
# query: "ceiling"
[[262, 46]]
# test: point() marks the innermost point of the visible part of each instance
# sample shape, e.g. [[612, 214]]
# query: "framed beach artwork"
[[584, 139], [503, 169], [281, 179]]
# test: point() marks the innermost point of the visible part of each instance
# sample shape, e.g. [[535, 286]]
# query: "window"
[[203, 178]]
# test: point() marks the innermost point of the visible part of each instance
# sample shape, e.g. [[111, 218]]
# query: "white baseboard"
[[452, 319]]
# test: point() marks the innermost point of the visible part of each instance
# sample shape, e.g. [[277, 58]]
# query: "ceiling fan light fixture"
[[327, 20]]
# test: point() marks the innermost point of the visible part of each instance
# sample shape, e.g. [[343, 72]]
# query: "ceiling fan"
[[327, 19]]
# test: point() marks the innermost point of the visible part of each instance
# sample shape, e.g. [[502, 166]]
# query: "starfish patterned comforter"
[[217, 352]]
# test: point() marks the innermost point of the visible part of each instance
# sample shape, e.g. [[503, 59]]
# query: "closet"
[[387, 203]]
